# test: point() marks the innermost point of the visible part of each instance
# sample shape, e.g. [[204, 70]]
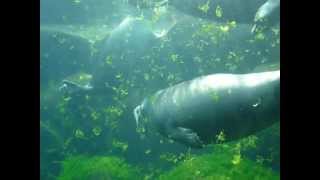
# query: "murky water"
[[100, 59]]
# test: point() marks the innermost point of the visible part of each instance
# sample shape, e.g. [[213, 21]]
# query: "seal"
[[125, 46], [269, 12], [255, 12], [241, 11], [194, 112], [76, 83]]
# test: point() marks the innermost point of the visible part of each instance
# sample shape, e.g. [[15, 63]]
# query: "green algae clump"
[[97, 168], [219, 166]]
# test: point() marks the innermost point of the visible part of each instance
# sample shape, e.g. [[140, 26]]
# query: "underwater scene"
[[159, 89]]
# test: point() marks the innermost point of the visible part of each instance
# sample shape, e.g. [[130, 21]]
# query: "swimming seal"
[[268, 13], [241, 11], [261, 13], [194, 112], [125, 46]]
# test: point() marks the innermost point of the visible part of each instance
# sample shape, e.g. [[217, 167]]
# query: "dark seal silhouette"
[[194, 112]]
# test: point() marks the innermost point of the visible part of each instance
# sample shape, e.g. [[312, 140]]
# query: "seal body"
[[267, 15], [242, 11], [268, 9], [194, 112]]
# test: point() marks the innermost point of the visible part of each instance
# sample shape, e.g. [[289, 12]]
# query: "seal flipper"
[[71, 87], [185, 135]]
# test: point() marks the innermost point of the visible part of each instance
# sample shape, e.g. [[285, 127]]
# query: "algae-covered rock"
[[222, 164], [97, 168]]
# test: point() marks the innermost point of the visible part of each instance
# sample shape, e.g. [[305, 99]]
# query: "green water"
[[129, 52]]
